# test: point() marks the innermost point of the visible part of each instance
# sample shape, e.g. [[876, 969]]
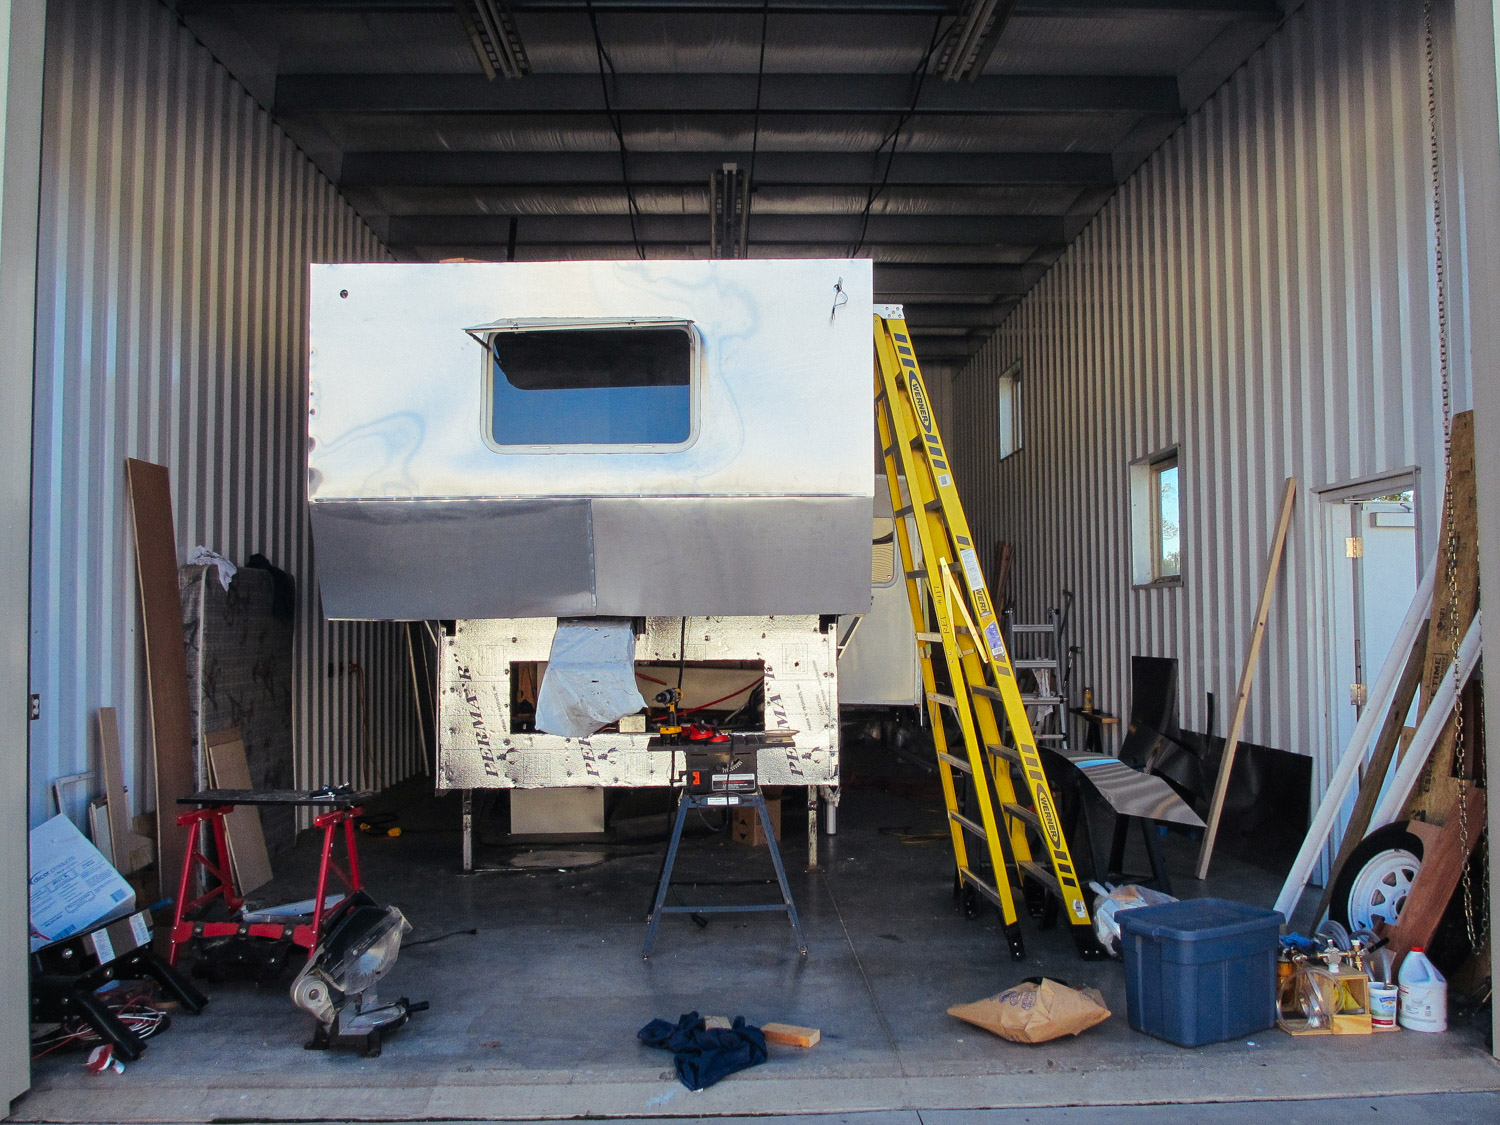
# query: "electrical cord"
[[632, 207]]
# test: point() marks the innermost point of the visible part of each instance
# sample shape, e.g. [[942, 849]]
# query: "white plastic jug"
[[1424, 994]]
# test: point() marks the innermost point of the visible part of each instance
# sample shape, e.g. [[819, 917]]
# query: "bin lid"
[[1197, 919]]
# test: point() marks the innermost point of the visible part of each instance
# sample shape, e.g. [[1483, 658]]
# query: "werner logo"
[[919, 400], [1049, 823]]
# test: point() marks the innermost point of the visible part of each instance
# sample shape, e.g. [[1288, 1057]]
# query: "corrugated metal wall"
[[1261, 295], [177, 224]]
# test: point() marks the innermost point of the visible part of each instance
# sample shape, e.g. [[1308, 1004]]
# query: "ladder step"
[[1042, 875], [1050, 664], [1025, 814], [1050, 737], [1031, 628], [930, 638], [906, 511], [988, 693], [1006, 752], [956, 763], [981, 886], [916, 574], [944, 700], [1040, 700], [969, 826]]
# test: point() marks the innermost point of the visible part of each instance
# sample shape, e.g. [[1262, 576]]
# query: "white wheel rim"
[[1380, 889]]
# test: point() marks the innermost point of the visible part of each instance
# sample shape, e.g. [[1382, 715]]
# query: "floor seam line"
[[864, 977]]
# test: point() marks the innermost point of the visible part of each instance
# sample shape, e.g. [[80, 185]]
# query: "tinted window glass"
[[597, 386]]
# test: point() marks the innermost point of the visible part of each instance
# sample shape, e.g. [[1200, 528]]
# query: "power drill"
[[671, 730]]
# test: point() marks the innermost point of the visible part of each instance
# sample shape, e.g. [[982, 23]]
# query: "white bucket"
[[1382, 1005], [1424, 994]]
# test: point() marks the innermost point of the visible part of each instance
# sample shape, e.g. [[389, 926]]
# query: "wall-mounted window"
[[1008, 395], [612, 385], [1156, 519]]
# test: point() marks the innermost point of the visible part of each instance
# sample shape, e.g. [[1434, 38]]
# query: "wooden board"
[[150, 492], [791, 1035], [1442, 868], [131, 850], [1437, 790], [228, 769], [1386, 745], [1247, 676]]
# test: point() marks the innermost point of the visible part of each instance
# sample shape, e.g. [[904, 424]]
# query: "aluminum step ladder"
[[1047, 700], [960, 622]]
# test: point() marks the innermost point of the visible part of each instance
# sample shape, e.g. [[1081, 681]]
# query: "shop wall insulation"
[[177, 225], [1260, 294]]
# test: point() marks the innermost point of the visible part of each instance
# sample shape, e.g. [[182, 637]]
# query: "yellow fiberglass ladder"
[[959, 619]]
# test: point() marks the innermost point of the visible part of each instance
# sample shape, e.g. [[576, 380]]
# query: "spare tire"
[[1374, 883]]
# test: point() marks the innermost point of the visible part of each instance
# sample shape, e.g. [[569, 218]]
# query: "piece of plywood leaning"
[[130, 851], [228, 769], [1247, 676]]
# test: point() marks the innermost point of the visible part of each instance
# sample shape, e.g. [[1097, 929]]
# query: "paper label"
[[971, 568], [104, 949], [992, 635], [140, 929]]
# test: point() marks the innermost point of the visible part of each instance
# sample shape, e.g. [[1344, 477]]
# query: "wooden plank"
[[1247, 676], [791, 1035], [228, 769], [1437, 789], [150, 490], [1442, 868], [1386, 745], [132, 851]]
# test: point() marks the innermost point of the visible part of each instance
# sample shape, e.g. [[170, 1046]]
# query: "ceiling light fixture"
[[972, 38], [497, 42]]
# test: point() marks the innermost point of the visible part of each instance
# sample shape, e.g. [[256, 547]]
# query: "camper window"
[[615, 386]]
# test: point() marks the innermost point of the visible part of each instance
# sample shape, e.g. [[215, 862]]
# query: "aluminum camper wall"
[[176, 227], [1261, 295]]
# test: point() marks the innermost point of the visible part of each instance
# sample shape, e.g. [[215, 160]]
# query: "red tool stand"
[[216, 804]]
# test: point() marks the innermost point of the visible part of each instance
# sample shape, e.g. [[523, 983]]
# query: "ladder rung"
[[1033, 664], [1025, 814], [934, 505], [1049, 737], [887, 450], [969, 825], [982, 887], [1031, 628], [956, 763], [930, 638], [1042, 875], [1040, 700], [988, 693], [916, 574], [944, 700], [1003, 751], [906, 511]]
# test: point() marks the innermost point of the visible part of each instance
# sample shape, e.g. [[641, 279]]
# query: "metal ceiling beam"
[[990, 230], [904, 283], [648, 169], [996, 94]]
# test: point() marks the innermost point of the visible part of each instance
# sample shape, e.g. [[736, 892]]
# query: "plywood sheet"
[[228, 769], [150, 491], [130, 851]]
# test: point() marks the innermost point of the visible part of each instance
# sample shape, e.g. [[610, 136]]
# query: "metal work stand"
[[720, 801]]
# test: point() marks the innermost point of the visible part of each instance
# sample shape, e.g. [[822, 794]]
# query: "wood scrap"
[[1247, 676], [1000, 588], [228, 769], [791, 1035], [1386, 745], [132, 851], [1437, 789], [1443, 862]]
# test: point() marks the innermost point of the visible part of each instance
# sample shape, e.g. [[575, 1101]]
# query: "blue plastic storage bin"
[[1200, 971]]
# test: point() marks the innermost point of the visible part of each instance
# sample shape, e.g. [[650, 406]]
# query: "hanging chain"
[[1450, 546]]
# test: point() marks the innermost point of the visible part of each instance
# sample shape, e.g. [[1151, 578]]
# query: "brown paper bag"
[[1035, 1013]]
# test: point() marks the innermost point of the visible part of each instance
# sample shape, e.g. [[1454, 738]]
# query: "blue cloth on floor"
[[701, 1056]]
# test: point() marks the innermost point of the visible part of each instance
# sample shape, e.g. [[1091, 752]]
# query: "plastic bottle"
[[1424, 994]]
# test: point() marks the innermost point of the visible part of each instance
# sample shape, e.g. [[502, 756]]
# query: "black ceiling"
[[989, 180]]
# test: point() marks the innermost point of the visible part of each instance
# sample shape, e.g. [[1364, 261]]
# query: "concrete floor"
[[535, 1015]]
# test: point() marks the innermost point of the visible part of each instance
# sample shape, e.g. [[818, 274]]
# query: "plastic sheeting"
[[590, 677]]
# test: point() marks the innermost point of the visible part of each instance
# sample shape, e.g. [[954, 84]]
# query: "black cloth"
[[701, 1056], [283, 588]]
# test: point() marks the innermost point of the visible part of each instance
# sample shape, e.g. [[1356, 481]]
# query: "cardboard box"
[[73, 887], [746, 827]]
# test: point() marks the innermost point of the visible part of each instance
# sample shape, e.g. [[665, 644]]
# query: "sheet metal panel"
[[177, 222], [1259, 294], [765, 509], [479, 750]]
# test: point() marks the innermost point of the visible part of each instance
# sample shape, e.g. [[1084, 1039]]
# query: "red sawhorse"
[[208, 819]]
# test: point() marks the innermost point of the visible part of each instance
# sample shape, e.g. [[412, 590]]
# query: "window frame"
[[1155, 471], [484, 334], [1008, 412], [1146, 543]]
